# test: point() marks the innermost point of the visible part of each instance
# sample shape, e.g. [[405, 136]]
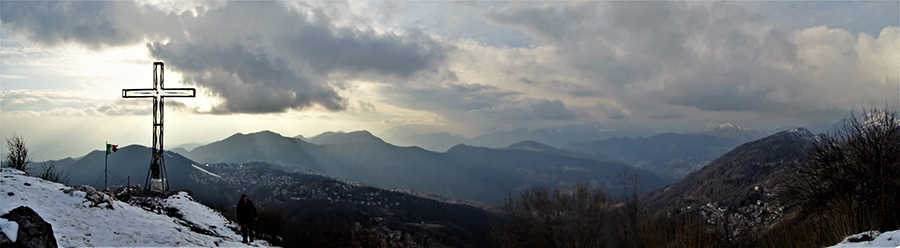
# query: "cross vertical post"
[[157, 178]]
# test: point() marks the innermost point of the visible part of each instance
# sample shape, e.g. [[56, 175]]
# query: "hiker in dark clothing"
[[246, 214]]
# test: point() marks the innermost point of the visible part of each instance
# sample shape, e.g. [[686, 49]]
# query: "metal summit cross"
[[157, 179]]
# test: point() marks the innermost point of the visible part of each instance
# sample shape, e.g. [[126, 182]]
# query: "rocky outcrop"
[[33, 230], [94, 198]]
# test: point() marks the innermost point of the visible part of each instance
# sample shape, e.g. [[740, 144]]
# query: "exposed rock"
[[125, 193], [5, 242], [87, 189], [33, 230], [95, 198]]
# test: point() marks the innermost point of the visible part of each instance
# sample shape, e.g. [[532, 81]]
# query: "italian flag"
[[110, 148]]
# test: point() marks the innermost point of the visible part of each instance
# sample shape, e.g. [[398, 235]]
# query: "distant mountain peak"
[[799, 132], [463, 148], [756, 163], [265, 132], [799, 129], [338, 138], [532, 145], [727, 125], [735, 132]]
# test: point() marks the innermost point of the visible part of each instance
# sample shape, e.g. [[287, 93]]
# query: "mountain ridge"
[[737, 173], [670, 155], [360, 156]]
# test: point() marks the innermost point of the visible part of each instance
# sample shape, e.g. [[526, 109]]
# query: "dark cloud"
[[477, 104], [309, 39], [715, 57], [613, 112], [366, 106], [551, 110], [545, 21], [248, 81], [54, 22], [664, 115], [258, 57], [448, 99], [528, 109], [527, 81], [353, 50], [283, 58], [570, 88]]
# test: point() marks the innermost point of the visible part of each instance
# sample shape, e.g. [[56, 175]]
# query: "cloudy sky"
[[461, 67]]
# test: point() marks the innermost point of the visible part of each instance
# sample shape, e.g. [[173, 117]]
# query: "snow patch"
[[77, 224], [871, 239], [207, 172], [10, 228]]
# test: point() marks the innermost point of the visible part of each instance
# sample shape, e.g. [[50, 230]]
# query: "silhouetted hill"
[[510, 169], [558, 136], [265, 146], [131, 161], [532, 145], [36, 168], [340, 138], [316, 206], [311, 204], [486, 177], [438, 142], [669, 155], [130, 164], [188, 146], [179, 150], [740, 177]]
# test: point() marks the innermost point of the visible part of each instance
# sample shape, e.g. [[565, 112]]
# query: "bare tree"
[[545, 217], [50, 173], [632, 212], [853, 171], [17, 157]]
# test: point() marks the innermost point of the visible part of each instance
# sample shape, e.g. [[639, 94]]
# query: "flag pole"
[[105, 168]]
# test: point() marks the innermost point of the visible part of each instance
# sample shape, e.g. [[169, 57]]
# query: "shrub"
[[545, 217], [270, 223], [17, 157], [852, 174], [50, 173]]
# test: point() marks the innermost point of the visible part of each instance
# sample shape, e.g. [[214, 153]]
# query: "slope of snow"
[[76, 223], [888, 239]]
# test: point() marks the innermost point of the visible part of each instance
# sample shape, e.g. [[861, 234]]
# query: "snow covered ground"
[[888, 239], [77, 224]]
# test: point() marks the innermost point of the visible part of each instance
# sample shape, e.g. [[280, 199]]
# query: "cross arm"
[[165, 92]]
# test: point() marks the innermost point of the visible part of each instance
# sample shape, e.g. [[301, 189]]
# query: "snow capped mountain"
[[735, 132], [728, 125], [78, 222]]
